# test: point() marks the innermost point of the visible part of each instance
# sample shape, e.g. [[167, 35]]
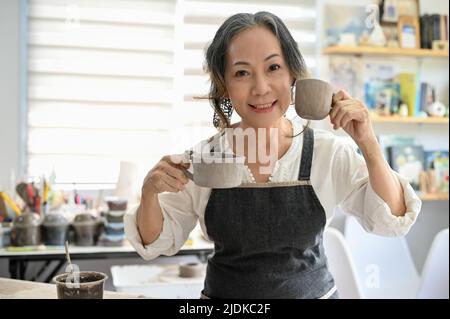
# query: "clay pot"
[[26, 230], [85, 226], [55, 228]]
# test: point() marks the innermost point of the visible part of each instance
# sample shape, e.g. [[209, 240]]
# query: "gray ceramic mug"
[[215, 170], [313, 99]]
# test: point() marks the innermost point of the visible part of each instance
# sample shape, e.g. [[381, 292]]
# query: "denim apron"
[[268, 239]]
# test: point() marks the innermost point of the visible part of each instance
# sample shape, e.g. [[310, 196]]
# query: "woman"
[[268, 238]]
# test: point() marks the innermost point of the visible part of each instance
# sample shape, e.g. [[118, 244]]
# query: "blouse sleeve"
[[179, 219], [355, 196]]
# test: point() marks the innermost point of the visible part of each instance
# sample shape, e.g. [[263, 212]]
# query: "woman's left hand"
[[353, 116]]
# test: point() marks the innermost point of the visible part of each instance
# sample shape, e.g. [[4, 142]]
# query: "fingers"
[[177, 159], [167, 175], [172, 183], [346, 111], [340, 95], [163, 186], [174, 172], [338, 106]]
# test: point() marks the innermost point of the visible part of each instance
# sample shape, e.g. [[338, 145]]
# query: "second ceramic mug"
[[215, 170], [313, 99]]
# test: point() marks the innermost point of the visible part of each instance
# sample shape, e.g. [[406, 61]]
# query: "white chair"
[[384, 265], [434, 281], [340, 264]]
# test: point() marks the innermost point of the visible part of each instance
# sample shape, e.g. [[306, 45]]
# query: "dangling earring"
[[227, 109], [292, 95]]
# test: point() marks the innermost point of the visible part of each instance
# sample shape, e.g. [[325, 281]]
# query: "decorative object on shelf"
[[440, 45], [348, 39], [390, 11], [437, 109], [377, 37], [346, 19], [390, 32], [409, 32], [403, 110], [408, 8]]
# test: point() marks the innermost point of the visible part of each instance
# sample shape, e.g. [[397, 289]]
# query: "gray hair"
[[216, 56]]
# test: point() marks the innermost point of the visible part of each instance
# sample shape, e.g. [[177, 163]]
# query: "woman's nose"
[[261, 85]]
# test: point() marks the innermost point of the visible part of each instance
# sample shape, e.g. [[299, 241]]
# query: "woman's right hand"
[[166, 176]]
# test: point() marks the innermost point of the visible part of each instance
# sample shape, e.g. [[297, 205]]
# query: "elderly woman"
[[268, 234]]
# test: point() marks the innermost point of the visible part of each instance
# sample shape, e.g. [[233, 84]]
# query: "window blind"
[[115, 80], [101, 86]]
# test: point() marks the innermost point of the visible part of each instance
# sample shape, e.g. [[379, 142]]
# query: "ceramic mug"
[[313, 98], [215, 170]]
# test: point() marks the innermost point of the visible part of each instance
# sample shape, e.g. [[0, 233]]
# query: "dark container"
[[85, 226], [90, 286], [26, 230], [116, 203], [55, 229]]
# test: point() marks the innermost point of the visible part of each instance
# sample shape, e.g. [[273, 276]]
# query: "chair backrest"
[[384, 265], [434, 281], [340, 264]]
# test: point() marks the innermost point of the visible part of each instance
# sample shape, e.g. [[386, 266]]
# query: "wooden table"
[[21, 289]]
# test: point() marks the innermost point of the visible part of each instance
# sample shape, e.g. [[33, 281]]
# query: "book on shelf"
[[427, 96], [408, 161], [387, 140], [408, 90], [382, 97], [433, 27], [436, 163]]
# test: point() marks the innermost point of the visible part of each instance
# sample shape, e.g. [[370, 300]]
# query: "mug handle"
[[188, 156], [188, 174]]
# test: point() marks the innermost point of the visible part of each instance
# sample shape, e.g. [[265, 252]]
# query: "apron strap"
[[307, 153]]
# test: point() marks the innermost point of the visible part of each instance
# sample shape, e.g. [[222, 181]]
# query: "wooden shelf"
[[434, 197], [385, 51], [409, 120]]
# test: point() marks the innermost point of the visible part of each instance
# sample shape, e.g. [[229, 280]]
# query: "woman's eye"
[[274, 67], [241, 73]]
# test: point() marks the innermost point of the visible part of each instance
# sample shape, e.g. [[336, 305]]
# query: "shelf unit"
[[434, 197], [416, 53], [409, 120], [385, 51]]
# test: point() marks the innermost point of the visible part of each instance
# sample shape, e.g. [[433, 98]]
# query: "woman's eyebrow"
[[246, 63]]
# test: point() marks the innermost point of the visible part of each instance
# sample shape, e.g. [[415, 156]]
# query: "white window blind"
[[101, 86], [114, 80]]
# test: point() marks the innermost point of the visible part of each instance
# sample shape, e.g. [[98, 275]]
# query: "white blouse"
[[339, 177]]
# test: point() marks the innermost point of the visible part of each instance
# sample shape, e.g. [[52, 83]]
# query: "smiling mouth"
[[265, 106]]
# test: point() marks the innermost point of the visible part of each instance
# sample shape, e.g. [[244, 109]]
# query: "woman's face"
[[257, 77]]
